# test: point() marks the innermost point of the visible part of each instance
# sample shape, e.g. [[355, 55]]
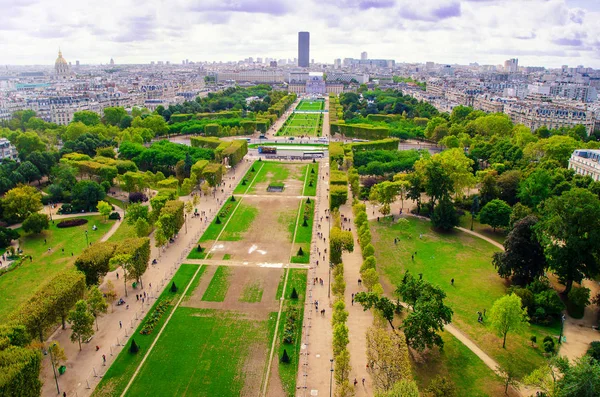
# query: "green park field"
[[311, 105], [467, 259], [48, 259], [302, 124]]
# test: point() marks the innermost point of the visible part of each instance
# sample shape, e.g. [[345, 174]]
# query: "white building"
[[586, 162], [7, 150]]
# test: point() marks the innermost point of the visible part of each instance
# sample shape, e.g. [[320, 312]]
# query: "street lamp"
[[562, 326], [53, 366], [331, 377], [86, 239]]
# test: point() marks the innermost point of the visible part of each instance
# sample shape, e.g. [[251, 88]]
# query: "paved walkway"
[[359, 320], [85, 368], [317, 351]]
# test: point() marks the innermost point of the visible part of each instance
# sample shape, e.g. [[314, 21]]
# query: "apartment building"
[[586, 162]]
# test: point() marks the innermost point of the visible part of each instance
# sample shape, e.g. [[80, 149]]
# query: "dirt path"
[[358, 319], [84, 368]]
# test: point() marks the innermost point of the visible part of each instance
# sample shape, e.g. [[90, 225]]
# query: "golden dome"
[[60, 60]]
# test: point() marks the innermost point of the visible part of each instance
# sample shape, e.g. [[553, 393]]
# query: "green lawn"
[[125, 230], [213, 230], [115, 201], [302, 124], [470, 375], [244, 184], [18, 285], [467, 259], [252, 292], [219, 284], [243, 218], [313, 178], [120, 372], [202, 352], [308, 105], [288, 372], [304, 233]]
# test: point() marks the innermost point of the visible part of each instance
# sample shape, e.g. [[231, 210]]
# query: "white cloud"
[[539, 32]]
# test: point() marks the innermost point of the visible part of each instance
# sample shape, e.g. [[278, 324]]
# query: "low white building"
[[586, 162], [7, 150]]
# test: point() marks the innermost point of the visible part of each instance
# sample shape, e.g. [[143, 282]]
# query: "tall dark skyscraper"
[[303, 49]]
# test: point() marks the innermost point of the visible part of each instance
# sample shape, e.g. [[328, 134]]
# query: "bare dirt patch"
[[267, 240], [294, 183]]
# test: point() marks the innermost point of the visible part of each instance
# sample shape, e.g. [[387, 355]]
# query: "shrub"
[[548, 344], [533, 339], [285, 358], [137, 197], [173, 287], [36, 222], [594, 351], [579, 298], [294, 294], [218, 220], [71, 223], [114, 216], [199, 248], [134, 348], [232, 199], [308, 200], [300, 252], [305, 223]]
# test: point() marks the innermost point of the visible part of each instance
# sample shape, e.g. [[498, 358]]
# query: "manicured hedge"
[[362, 131], [212, 129], [236, 151], [213, 174], [169, 183], [384, 144], [178, 118], [228, 114], [71, 223], [382, 117], [196, 171], [249, 126], [336, 152], [205, 142], [94, 261], [338, 195], [338, 178]]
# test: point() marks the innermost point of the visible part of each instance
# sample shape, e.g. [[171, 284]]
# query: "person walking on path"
[[120, 324]]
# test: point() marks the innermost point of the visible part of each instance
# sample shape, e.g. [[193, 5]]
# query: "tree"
[[113, 115], [403, 388], [507, 315], [496, 213], [570, 233], [535, 188], [57, 354], [436, 180], [86, 117], [384, 305], [125, 261], [429, 313], [508, 185], [82, 322], [142, 227], [339, 241], [387, 358], [523, 257], [104, 209], [29, 171], [110, 293], [7, 235], [385, 193], [20, 202], [441, 386], [36, 222], [29, 142], [86, 194], [509, 373], [444, 216], [136, 211], [96, 303]]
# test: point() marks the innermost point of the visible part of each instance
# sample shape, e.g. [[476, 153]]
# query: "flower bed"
[[71, 223], [153, 318], [225, 211]]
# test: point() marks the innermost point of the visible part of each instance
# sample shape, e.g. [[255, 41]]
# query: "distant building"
[[511, 65], [112, 62], [7, 150], [363, 56], [315, 83], [303, 49], [586, 162], [61, 67], [337, 63]]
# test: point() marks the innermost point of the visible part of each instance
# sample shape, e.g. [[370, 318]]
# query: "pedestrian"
[[64, 394], [395, 241], [117, 273], [452, 281], [363, 381], [412, 257], [120, 324], [323, 313], [103, 359], [137, 297], [142, 301], [359, 282], [150, 285], [144, 294], [355, 382]]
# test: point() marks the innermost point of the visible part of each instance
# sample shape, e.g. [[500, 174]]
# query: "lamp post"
[[331, 377], [185, 222], [53, 367], [86, 239], [562, 326]]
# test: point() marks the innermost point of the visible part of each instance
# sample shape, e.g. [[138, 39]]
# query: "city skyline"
[[538, 32]]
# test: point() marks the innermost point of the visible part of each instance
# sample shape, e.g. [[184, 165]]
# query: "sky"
[[547, 33]]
